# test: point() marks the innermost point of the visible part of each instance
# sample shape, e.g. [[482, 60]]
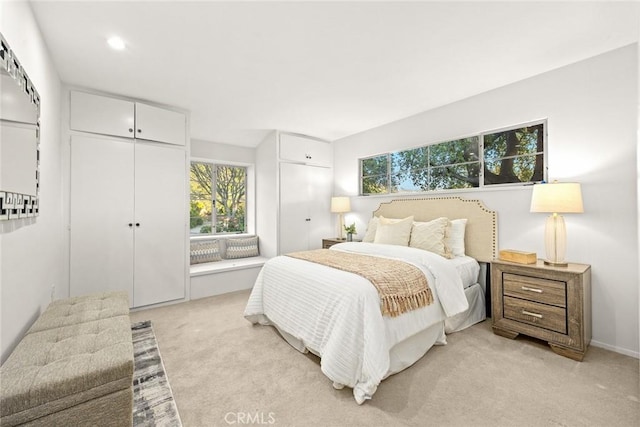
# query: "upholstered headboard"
[[481, 234]]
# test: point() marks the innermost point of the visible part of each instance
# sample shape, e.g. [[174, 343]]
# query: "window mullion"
[[481, 155], [214, 196], [389, 181]]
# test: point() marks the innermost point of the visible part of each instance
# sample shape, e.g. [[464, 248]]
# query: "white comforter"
[[337, 314]]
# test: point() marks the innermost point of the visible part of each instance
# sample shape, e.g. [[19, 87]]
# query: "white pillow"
[[455, 241], [431, 236], [393, 232]]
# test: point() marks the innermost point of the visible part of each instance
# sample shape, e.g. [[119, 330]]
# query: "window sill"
[[226, 265], [196, 237]]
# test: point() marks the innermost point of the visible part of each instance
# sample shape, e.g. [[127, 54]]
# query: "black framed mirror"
[[19, 139]]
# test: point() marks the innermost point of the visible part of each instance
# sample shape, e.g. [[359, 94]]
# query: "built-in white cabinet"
[[300, 149], [293, 194], [127, 218], [305, 203], [112, 116]]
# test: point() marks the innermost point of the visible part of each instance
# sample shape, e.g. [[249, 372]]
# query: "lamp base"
[[555, 240], [555, 264]]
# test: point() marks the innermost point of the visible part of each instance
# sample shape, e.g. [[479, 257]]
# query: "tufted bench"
[[73, 367]]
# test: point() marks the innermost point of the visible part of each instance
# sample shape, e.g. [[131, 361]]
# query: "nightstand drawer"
[[535, 289], [532, 313]]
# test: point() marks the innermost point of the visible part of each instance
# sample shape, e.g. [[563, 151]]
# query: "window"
[[222, 211], [514, 155], [508, 156]]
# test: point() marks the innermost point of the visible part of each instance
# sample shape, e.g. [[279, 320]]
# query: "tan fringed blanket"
[[402, 286]]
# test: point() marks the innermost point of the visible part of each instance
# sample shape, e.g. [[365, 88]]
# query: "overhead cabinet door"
[[101, 114], [159, 124], [304, 150], [102, 217]]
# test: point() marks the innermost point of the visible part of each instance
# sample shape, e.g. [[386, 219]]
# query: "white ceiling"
[[325, 69]]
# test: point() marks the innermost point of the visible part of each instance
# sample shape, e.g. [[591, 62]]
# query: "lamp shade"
[[340, 204], [557, 197]]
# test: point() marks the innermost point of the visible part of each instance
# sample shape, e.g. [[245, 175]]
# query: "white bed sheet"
[[336, 314], [468, 269], [477, 311]]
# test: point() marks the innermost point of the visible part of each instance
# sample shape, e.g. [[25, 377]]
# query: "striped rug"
[[153, 403]]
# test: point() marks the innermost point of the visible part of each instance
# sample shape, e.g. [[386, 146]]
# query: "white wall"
[[224, 152], [267, 183], [591, 108], [33, 256]]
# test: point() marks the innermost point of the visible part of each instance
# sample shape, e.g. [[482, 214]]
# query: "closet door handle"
[[130, 224], [137, 224], [130, 130], [139, 130], [307, 219]]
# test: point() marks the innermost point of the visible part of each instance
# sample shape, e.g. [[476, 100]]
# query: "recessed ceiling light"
[[116, 43]]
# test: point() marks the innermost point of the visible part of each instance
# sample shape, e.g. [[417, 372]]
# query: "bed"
[[338, 315]]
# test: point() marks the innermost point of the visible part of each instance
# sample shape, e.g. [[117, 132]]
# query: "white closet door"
[[295, 220], [158, 124], [160, 237], [320, 184], [101, 239]]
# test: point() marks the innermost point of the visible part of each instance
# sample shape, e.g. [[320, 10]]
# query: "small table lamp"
[[340, 205], [556, 198]]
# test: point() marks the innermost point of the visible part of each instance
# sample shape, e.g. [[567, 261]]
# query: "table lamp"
[[340, 205], [556, 198]]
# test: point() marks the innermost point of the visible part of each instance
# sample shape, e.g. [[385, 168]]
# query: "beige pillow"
[[372, 227], [370, 235], [430, 236], [393, 232]]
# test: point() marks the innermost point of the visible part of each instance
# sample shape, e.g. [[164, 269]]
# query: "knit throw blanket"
[[402, 286]]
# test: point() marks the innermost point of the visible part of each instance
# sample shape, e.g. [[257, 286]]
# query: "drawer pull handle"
[[528, 313], [526, 288]]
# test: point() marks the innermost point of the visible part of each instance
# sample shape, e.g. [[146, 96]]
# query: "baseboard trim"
[[615, 349]]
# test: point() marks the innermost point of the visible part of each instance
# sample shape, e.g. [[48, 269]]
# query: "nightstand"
[[545, 302], [327, 243]]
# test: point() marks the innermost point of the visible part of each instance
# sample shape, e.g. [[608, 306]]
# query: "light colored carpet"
[[224, 371]]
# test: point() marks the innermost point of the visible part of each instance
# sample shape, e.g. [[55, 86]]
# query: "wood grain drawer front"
[[532, 313], [544, 291]]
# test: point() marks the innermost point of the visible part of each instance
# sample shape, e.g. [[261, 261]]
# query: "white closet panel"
[[160, 236], [305, 195], [101, 219], [294, 211], [320, 190]]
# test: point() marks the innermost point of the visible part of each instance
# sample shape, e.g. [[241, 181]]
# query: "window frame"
[[545, 131], [481, 154], [250, 216]]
